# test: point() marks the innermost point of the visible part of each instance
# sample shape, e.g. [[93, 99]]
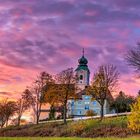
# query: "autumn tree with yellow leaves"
[[134, 117], [104, 82], [65, 89]]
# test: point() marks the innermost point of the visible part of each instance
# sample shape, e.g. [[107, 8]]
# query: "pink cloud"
[[129, 84], [14, 80]]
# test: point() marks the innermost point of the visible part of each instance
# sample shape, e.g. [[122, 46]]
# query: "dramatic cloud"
[[50, 34]]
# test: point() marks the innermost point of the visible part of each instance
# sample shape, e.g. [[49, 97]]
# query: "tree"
[[52, 99], [122, 102], [10, 109], [2, 116], [7, 110], [24, 103], [134, 117], [39, 90], [104, 82], [65, 89], [138, 95], [133, 58]]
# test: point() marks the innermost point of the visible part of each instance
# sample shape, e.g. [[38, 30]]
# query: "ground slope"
[[109, 127]]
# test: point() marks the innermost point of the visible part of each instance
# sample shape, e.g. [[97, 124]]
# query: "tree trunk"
[[37, 117], [19, 117], [102, 112], [52, 113], [37, 120], [116, 110], [7, 122], [65, 113], [38, 113]]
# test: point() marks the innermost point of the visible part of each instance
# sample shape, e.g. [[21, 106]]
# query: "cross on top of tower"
[[83, 52], [83, 61]]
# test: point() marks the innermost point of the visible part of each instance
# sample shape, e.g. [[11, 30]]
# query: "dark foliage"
[[122, 102]]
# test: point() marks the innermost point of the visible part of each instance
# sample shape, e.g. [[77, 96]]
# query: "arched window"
[[81, 77], [86, 107]]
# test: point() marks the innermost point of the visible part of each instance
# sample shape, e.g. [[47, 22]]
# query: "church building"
[[84, 103]]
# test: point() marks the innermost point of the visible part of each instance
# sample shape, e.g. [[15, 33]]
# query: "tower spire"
[[83, 52]]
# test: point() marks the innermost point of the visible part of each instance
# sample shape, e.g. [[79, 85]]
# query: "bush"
[[77, 127], [91, 113], [134, 117]]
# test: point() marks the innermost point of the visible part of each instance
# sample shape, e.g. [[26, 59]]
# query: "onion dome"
[[83, 61]]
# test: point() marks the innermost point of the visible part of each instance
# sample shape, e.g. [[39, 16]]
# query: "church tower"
[[82, 72]]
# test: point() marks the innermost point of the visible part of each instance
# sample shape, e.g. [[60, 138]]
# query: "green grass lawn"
[[109, 127], [74, 138]]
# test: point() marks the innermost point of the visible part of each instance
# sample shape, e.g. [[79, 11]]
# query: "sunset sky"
[[48, 35]]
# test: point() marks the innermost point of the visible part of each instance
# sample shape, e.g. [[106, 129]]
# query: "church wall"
[[80, 107]]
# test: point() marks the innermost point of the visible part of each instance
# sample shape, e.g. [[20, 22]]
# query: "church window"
[[72, 104], [86, 107], [86, 102], [79, 112], [79, 102], [81, 77], [94, 103], [87, 97]]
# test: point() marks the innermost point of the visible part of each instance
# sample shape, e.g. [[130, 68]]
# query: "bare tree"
[[133, 58], [7, 110], [65, 88], [10, 109], [2, 112], [23, 104], [39, 89], [104, 82]]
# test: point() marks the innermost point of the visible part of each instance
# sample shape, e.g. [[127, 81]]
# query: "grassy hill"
[[109, 127]]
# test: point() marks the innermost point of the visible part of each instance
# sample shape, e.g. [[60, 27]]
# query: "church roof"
[[82, 68], [83, 60], [83, 92]]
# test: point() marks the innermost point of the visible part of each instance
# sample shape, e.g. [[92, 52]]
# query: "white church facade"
[[84, 103]]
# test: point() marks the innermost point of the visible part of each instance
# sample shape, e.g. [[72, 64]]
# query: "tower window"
[[81, 77], [87, 97], [86, 107]]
